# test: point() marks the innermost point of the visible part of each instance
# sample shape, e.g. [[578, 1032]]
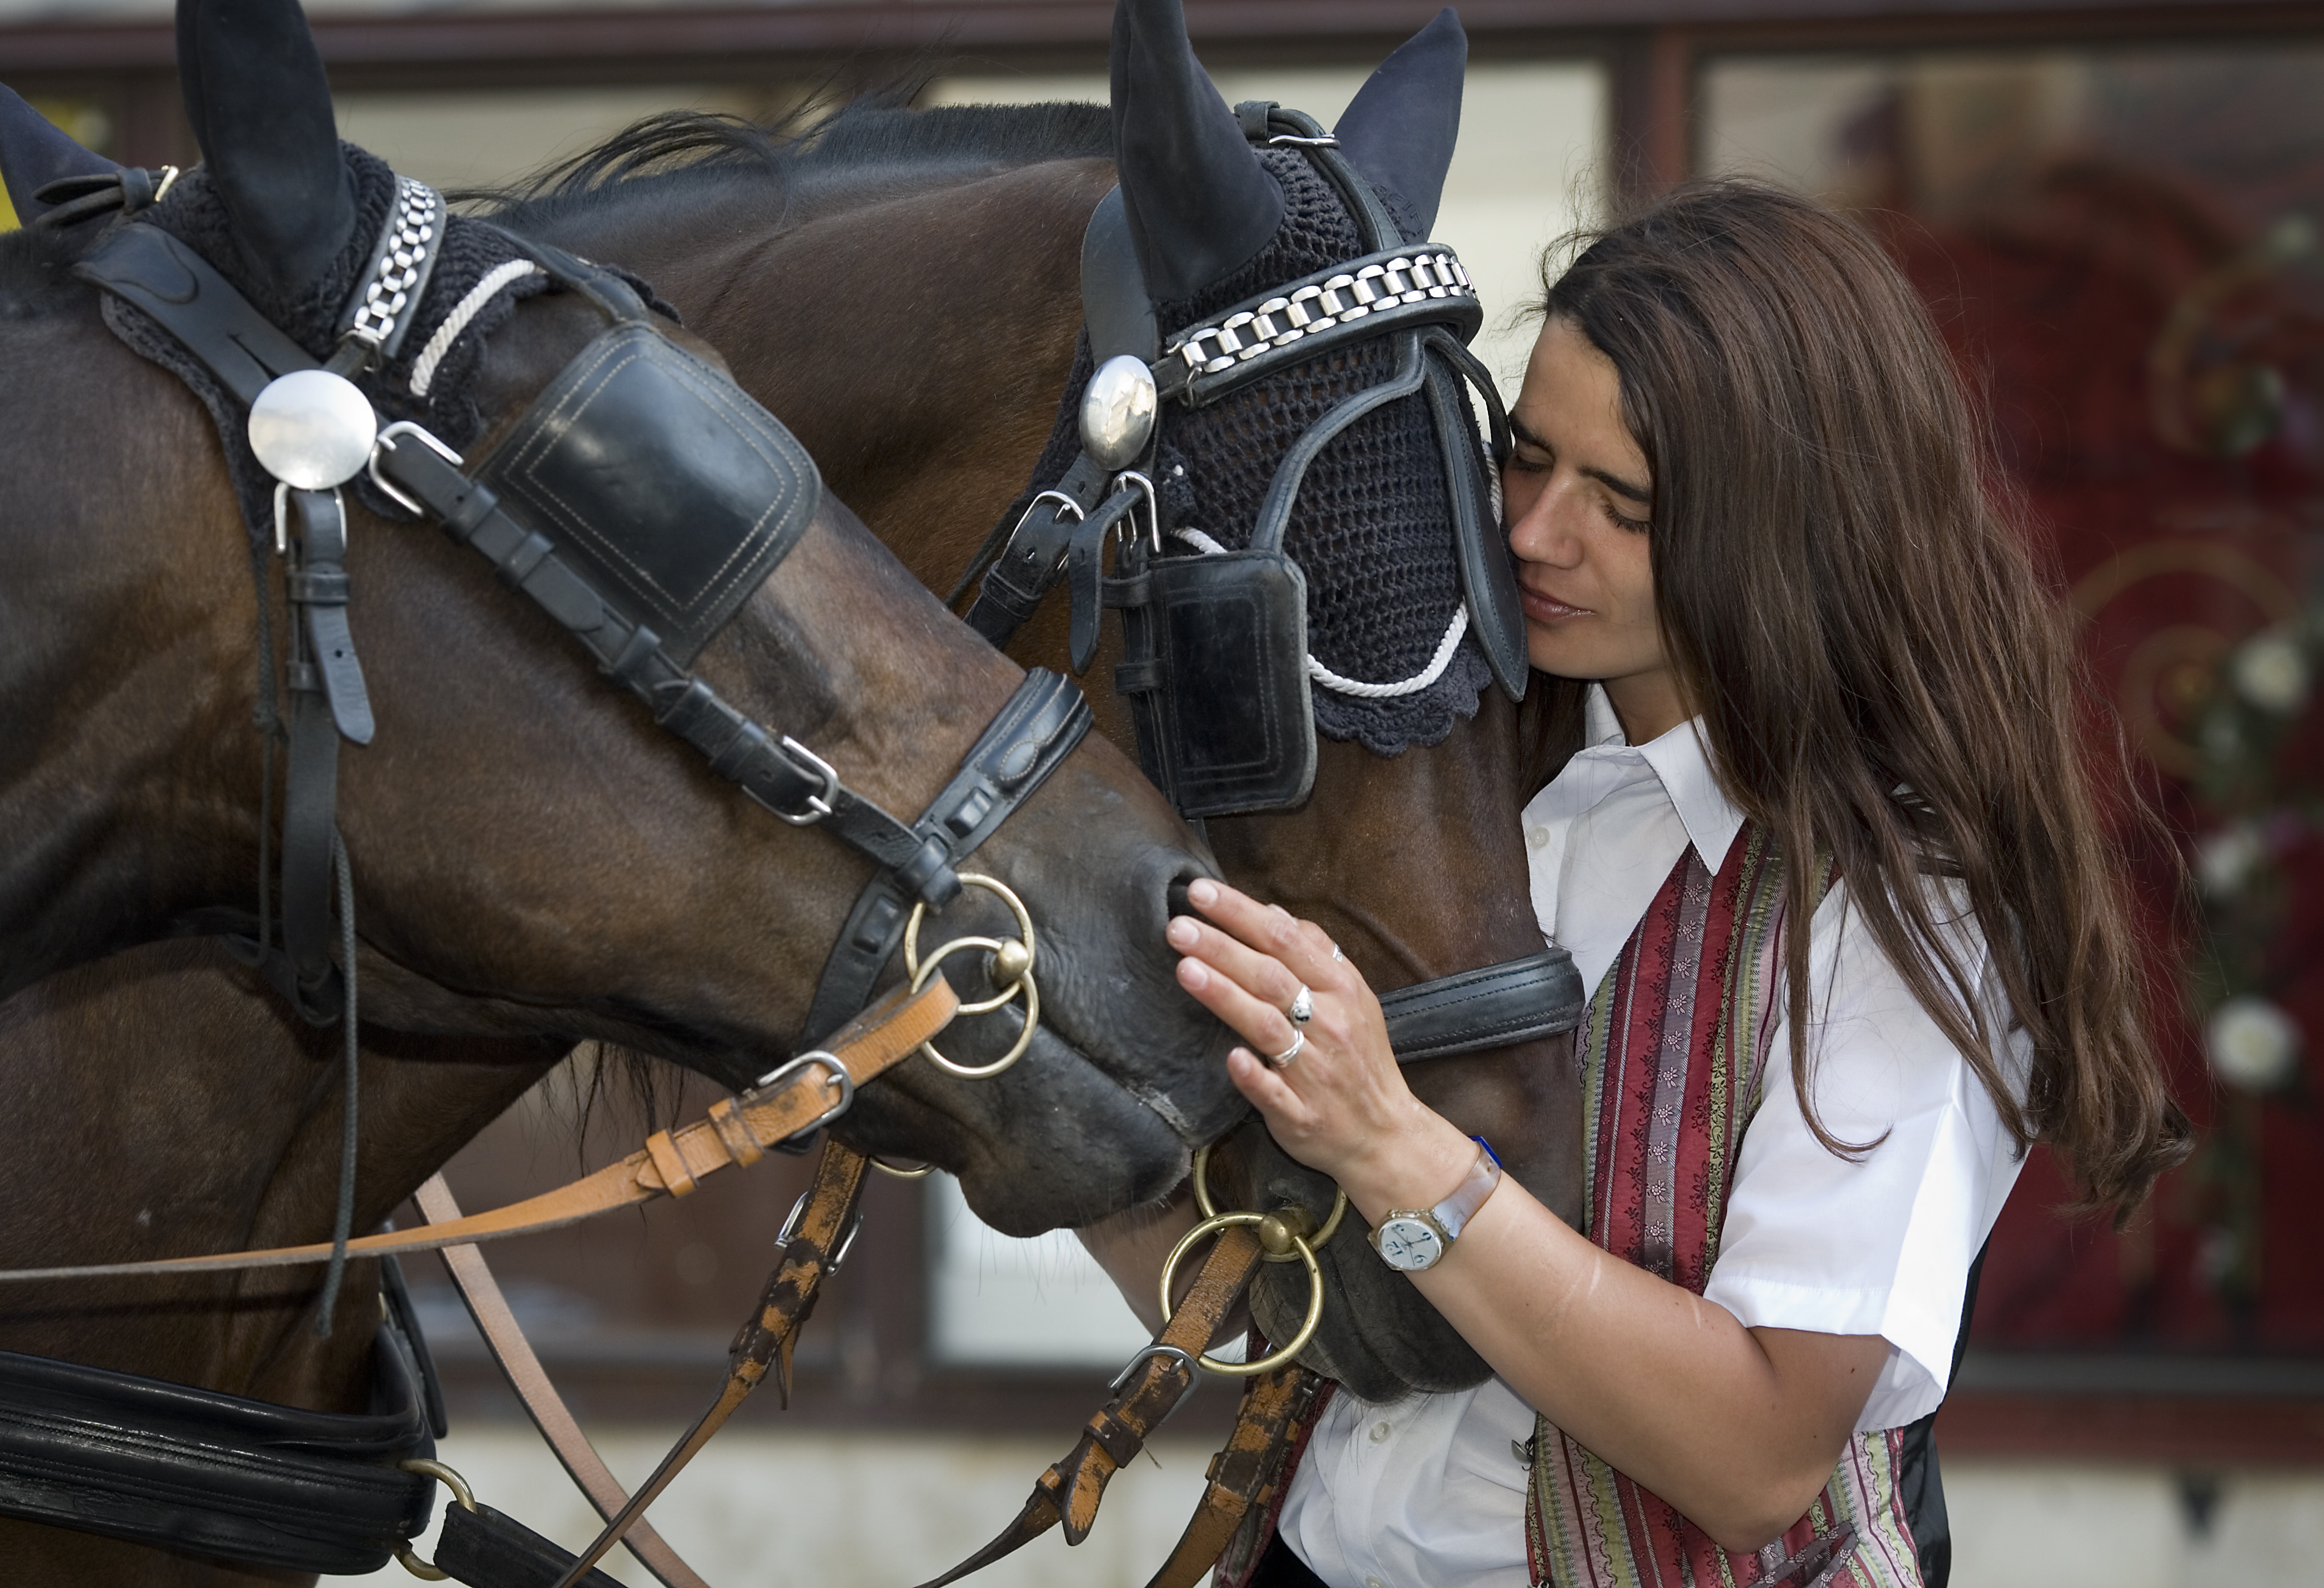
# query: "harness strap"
[[1517, 1001], [504, 1338], [819, 1231], [1246, 1472], [488, 1548], [1029, 740], [203, 1472], [786, 1103], [1155, 1381], [779, 773]]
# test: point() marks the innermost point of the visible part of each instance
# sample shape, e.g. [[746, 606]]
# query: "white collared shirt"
[[1428, 1490]]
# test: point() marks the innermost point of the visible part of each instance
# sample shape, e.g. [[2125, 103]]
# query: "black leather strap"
[[144, 265], [1033, 559], [486, 1548], [778, 774], [1539, 996], [206, 1473], [1029, 739]]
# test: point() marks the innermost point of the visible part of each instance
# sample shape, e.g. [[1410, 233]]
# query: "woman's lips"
[[1547, 608]]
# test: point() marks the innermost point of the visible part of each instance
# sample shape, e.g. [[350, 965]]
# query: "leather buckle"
[[819, 805]]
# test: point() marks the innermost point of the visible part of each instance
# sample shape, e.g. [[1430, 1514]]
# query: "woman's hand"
[[1338, 1103]]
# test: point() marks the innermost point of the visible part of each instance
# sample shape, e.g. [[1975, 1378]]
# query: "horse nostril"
[[1184, 874]]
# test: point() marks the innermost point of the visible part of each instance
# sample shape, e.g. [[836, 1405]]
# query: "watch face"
[[1408, 1243]]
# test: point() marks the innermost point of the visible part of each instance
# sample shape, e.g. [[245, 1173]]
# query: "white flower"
[[2270, 671], [2253, 1045], [2223, 860]]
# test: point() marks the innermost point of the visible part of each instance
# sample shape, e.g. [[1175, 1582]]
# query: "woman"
[[1829, 857]]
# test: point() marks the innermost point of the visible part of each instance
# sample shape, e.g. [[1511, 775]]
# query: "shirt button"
[[1381, 1431], [1374, 1582], [1537, 836]]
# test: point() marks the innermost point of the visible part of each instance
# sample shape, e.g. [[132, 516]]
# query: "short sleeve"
[[1880, 1244]]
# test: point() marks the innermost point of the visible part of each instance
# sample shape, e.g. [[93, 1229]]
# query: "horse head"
[[532, 858], [1408, 849]]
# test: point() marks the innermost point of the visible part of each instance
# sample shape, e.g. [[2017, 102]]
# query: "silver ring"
[[1336, 955], [1283, 1060], [1303, 1006]]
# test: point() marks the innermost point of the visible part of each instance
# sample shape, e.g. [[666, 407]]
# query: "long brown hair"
[[1884, 678]]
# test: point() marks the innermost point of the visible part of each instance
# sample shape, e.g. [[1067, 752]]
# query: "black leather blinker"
[[670, 490], [1214, 662]]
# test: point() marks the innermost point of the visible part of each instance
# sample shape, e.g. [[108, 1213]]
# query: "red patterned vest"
[[1673, 1052]]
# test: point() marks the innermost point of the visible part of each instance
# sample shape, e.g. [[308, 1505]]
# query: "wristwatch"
[[1413, 1239]]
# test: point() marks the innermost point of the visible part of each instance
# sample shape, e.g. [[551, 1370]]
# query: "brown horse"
[[535, 864]]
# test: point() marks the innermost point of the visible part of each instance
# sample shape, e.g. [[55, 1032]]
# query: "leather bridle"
[[1215, 664]]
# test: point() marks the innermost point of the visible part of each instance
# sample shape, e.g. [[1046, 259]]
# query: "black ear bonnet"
[[1372, 527]]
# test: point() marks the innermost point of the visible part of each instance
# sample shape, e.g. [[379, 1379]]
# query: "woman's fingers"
[[1257, 973], [1261, 1023], [1303, 947]]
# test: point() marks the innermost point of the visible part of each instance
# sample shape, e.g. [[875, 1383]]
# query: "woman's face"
[[1579, 499]]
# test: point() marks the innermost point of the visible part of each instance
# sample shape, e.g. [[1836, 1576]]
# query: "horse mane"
[[866, 147]]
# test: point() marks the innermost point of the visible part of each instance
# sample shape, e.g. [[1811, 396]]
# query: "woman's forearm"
[[1736, 1428]]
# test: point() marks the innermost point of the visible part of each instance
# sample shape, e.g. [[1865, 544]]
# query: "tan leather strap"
[[1070, 1490], [823, 1226], [889, 1031], [505, 1339], [1244, 1474]]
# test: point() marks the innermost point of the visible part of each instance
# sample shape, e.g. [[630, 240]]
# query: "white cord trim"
[[423, 372], [1331, 681]]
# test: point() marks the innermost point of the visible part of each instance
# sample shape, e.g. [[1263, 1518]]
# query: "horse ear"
[[260, 108], [33, 153], [1400, 128], [1200, 204]]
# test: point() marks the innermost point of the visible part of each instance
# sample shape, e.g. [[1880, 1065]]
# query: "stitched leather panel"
[[1539, 996], [671, 491], [208, 1473]]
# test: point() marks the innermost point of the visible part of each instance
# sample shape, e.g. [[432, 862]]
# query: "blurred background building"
[[2115, 211]]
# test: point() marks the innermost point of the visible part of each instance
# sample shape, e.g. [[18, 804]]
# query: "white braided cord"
[[1331, 681], [423, 371]]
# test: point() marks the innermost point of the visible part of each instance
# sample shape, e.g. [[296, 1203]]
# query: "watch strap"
[[1452, 1215]]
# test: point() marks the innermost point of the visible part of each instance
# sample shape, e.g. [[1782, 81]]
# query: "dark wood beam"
[[650, 39]]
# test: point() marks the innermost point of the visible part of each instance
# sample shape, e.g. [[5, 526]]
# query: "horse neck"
[[129, 769], [233, 1106]]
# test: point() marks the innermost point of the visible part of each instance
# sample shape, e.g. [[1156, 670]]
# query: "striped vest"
[[1674, 1050]]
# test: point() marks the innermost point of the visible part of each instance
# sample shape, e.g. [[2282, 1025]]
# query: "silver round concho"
[[312, 429], [1118, 411]]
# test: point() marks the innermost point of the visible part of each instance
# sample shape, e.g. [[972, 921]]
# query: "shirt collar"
[[1682, 763]]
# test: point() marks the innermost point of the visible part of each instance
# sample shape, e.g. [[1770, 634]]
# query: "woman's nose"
[[1539, 534]]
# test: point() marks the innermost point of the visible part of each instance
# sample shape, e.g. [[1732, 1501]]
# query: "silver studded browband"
[[400, 266], [1366, 297]]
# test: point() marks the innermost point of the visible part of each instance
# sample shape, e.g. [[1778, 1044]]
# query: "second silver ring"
[[1283, 1060], [1303, 1006]]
